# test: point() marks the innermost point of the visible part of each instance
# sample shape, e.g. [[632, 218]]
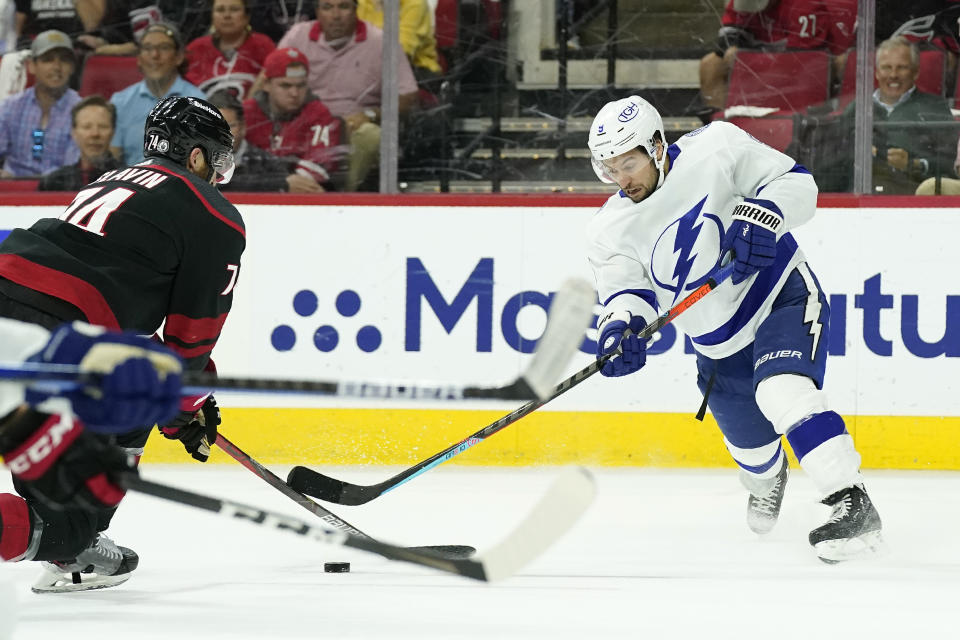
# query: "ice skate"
[[101, 565], [853, 529], [765, 499]]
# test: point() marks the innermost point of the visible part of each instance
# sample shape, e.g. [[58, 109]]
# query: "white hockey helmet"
[[621, 126]]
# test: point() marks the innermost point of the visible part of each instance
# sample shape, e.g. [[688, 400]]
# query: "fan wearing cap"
[[776, 25], [160, 58], [286, 119], [346, 69], [35, 123]]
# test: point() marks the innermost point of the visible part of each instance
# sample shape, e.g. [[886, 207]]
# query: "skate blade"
[[61, 583], [836, 551], [760, 525]]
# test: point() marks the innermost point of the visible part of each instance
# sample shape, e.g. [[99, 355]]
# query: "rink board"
[[454, 289]]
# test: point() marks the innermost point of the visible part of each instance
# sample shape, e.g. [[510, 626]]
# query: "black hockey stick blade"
[[558, 510], [337, 491], [331, 520]]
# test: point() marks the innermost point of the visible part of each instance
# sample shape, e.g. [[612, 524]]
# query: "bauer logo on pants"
[[773, 355]]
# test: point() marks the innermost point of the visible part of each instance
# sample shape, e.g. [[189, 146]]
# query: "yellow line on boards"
[[407, 436]]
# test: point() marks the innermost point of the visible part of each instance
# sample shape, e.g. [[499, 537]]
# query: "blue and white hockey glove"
[[753, 237], [611, 334], [139, 380]]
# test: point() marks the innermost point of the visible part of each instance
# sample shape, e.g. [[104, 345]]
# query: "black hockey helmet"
[[177, 125]]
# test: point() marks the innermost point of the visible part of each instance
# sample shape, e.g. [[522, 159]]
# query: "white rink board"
[[370, 251]]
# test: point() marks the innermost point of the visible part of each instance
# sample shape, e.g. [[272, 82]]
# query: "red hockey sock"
[[14, 526]]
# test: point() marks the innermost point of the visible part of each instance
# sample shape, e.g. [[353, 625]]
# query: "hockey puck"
[[336, 567]]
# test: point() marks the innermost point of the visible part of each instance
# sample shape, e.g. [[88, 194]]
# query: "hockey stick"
[[554, 515], [569, 314], [329, 519], [330, 489]]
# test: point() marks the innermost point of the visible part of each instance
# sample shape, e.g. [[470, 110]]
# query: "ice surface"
[[661, 554]]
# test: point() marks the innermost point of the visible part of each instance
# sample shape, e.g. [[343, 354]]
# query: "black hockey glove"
[[197, 430], [57, 461]]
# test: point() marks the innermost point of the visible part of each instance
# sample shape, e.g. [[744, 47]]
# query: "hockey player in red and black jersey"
[[148, 245]]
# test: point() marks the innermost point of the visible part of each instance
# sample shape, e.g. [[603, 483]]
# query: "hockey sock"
[[826, 452], [14, 527], [762, 462]]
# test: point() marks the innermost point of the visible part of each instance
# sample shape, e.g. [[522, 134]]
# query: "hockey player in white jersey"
[[760, 339]]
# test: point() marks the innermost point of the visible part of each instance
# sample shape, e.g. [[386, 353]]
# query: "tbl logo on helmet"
[[629, 112]]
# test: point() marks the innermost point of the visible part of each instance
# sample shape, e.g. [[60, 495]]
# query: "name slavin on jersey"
[[783, 353], [757, 215], [143, 177]]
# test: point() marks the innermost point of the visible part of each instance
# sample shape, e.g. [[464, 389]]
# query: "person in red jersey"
[[286, 119], [232, 55], [776, 25]]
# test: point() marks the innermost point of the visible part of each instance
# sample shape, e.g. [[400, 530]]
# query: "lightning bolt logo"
[[811, 310], [688, 228], [680, 249]]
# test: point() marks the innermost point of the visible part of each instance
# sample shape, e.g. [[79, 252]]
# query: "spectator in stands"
[[416, 33], [93, 121], [286, 119], [73, 18], [272, 18], [775, 25], [127, 20], [232, 55], [35, 123], [160, 59], [345, 56], [256, 168], [904, 156], [947, 187]]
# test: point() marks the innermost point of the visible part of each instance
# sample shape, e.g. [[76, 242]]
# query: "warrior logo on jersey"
[[687, 251]]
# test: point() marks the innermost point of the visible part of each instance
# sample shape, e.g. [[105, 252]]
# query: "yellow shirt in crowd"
[[416, 29]]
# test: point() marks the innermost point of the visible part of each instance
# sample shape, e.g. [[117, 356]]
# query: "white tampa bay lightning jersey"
[[648, 256]]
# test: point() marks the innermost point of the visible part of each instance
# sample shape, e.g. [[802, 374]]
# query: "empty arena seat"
[[108, 74], [789, 80], [774, 130]]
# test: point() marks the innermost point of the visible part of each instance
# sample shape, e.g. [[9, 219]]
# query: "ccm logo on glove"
[[32, 459]]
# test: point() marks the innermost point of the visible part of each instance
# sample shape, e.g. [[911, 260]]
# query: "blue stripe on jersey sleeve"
[[761, 289], [644, 294], [796, 168]]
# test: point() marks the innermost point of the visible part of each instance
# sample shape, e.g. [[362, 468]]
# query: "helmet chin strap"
[[661, 165]]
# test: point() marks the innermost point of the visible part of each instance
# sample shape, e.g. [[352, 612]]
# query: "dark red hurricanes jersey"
[[140, 247], [800, 24], [314, 135]]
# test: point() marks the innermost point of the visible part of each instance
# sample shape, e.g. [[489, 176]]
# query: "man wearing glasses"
[[35, 124], [161, 61]]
